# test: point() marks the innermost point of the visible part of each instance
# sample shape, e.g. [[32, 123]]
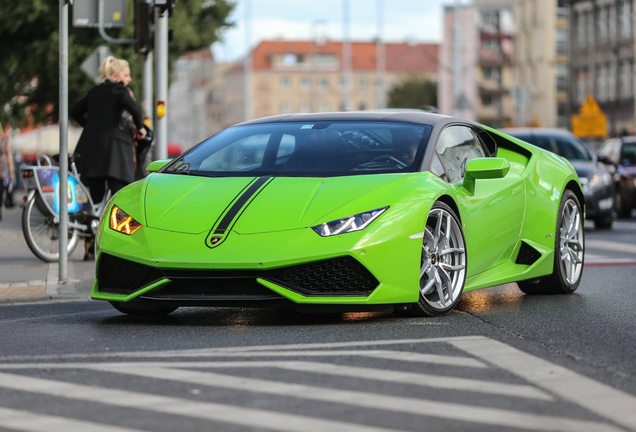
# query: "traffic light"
[[143, 26]]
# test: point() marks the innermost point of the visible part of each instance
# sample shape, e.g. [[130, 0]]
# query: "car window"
[[569, 147], [308, 149], [628, 154], [456, 146]]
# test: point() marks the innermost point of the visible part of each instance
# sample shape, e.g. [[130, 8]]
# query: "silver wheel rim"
[[443, 269], [571, 242]]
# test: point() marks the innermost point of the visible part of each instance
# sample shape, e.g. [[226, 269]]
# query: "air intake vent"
[[527, 254]]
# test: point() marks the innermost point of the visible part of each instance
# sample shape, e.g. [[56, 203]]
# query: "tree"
[[29, 70], [414, 92]]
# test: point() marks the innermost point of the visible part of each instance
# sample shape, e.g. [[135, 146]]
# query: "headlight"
[[596, 181], [121, 222], [349, 224]]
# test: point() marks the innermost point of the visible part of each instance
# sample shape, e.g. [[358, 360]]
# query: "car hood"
[[247, 205], [586, 169]]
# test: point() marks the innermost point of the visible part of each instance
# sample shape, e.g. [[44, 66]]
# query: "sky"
[[400, 21]]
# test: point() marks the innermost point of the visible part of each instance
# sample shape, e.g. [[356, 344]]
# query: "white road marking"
[[421, 407], [383, 375], [20, 420], [592, 395], [254, 418]]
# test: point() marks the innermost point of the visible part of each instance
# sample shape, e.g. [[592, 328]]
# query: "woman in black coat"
[[105, 153]]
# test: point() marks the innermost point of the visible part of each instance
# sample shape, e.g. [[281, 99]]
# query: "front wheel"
[[443, 263], [569, 251], [41, 232]]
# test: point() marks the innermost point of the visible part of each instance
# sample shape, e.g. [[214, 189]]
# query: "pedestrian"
[[7, 170], [105, 153]]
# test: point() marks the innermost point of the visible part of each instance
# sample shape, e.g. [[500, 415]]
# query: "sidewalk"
[[25, 278]]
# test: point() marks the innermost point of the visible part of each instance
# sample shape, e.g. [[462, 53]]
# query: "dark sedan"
[[620, 156], [595, 177]]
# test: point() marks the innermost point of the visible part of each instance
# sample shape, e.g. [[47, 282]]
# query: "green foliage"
[[414, 92], [30, 66]]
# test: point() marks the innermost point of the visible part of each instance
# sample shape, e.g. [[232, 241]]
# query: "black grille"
[[120, 276], [339, 276], [335, 276], [527, 254]]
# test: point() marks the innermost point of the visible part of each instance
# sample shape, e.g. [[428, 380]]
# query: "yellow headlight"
[[121, 222]]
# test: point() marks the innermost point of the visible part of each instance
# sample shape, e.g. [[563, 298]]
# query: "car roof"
[[543, 131], [409, 116]]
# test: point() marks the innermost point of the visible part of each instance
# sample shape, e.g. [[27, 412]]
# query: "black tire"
[[623, 210], [41, 232], [604, 222], [146, 309], [443, 264], [569, 251]]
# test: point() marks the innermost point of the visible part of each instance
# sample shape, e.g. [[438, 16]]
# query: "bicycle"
[[40, 214]]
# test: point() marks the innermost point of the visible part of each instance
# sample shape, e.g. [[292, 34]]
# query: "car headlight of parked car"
[[348, 224], [596, 181]]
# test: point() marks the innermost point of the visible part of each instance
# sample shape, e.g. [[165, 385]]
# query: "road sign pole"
[[161, 51]]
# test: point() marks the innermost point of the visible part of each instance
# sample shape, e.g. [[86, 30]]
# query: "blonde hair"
[[111, 65]]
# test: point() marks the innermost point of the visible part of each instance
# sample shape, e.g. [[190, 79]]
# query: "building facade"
[[319, 76], [476, 61], [602, 59], [542, 58]]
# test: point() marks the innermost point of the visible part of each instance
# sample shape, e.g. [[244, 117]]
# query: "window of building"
[[363, 84], [492, 73], [601, 82], [625, 19], [285, 107], [562, 77], [581, 84], [611, 80], [602, 24], [323, 84], [611, 25], [581, 28], [562, 41], [626, 84], [305, 83], [285, 83], [490, 21]]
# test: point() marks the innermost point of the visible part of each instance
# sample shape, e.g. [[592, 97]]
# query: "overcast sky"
[[401, 20]]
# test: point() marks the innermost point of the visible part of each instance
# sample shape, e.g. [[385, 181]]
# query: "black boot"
[[89, 249]]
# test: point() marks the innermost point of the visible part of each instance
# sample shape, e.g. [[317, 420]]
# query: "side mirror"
[[482, 169], [155, 166]]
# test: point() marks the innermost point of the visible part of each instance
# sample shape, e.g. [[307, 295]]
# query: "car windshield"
[[570, 148], [307, 149], [628, 153]]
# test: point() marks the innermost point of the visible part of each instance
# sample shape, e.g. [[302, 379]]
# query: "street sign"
[[86, 13], [90, 66], [590, 122]]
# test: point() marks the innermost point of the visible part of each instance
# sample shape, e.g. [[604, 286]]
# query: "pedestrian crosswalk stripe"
[[28, 421]]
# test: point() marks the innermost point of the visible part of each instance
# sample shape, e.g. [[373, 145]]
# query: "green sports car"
[[349, 211]]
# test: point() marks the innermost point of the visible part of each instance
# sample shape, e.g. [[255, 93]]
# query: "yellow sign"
[[590, 122]]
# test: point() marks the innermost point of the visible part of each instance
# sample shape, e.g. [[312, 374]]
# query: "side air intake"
[[527, 254]]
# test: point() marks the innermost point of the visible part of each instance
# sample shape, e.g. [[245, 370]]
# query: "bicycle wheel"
[[42, 233]]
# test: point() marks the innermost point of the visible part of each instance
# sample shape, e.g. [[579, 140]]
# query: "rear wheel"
[[443, 263], [569, 252], [147, 309], [41, 232]]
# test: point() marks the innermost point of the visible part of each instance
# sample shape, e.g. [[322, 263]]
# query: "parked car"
[[620, 156], [596, 179], [343, 211]]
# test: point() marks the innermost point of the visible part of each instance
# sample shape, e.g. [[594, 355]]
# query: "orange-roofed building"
[[287, 76]]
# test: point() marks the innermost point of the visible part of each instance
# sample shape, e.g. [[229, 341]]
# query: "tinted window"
[[297, 149], [563, 145]]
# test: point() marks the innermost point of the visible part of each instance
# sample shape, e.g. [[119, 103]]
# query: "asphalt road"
[[501, 361]]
